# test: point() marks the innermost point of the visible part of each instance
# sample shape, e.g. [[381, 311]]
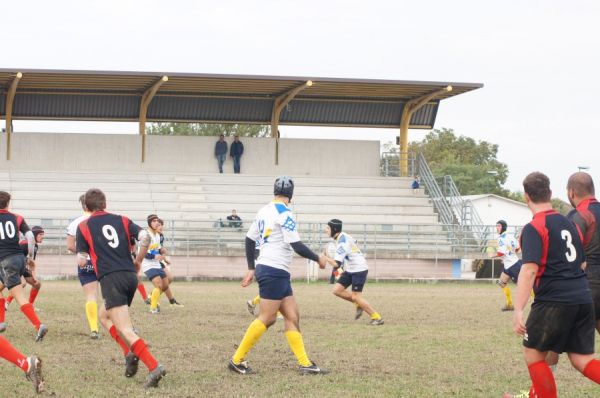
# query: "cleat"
[[94, 335], [155, 311], [41, 333], [147, 301], [34, 374], [241, 368], [508, 308], [3, 326], [376, 322], [250, 307], [131, 365], [176, 303], [359, 312], [155, 376], [280, 316], [313, 369]]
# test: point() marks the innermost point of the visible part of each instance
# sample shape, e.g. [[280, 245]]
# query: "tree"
[[208, 129], [472, 164]]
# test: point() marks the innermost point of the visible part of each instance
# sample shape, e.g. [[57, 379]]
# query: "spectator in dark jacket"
[[221, 151], [236, 152]]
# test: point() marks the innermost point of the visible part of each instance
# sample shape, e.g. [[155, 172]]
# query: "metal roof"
[[213, 98]]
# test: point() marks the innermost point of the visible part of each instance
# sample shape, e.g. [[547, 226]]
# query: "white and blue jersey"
[[72, 231], [507, 249], [274, 229], [348, 253], [150, 260]]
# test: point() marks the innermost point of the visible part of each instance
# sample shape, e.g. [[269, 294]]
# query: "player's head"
[[4, 199], [579, 187], [501, 226], [82, 201], [160, 224], [284, 186], [153, 221], [537, 188], [38, 233], [95, 200], [334, 227]]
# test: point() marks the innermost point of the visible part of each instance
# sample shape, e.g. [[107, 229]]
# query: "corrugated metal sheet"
[[2, 103], [51, 106]]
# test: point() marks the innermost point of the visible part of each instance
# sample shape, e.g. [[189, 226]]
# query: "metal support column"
[[10, 98], [146, 99]]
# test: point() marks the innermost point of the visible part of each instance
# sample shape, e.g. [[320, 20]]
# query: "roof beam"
[[10, 98], [280, 102], [409, 109], [146, 99]]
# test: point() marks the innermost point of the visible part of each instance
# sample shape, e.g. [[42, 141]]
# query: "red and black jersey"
[[106, 238], [25, 248], [586, 217], [10, 226], [552, 242]]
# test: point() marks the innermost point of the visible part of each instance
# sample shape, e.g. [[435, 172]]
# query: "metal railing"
[[434, 191], [390, 164]]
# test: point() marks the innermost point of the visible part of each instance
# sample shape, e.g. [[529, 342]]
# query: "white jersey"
[[348, 253], [72, 231], [153, 251], [507, 249], [274, 228]]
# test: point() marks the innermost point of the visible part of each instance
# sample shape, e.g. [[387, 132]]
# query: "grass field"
[[442, 340]]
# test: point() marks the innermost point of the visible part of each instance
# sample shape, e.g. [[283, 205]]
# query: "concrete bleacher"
[[383, 213]]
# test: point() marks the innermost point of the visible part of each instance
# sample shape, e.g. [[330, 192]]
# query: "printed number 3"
[[571, 252], [110, 233]]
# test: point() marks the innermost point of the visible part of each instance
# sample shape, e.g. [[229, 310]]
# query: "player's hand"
[[322, 261], [248, 278], [159, 257], [137, 265], [518, 325], [30, 263]]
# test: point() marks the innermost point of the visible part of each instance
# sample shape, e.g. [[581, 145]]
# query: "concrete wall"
[[111, 152], [491, 209]]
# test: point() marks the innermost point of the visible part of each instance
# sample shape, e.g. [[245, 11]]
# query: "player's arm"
[[532, 257], [143, 238], [250, 245], [82, 249], [25, 230], [291, 236]]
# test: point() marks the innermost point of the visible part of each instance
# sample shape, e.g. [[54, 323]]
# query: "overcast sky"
[[539, 60]]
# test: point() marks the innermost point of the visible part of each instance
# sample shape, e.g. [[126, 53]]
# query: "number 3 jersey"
[[10, 226], [552, 242], [105, 237], [273, 229]]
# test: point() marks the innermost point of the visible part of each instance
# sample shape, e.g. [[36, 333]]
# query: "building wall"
[[111, 152], [492, 209]]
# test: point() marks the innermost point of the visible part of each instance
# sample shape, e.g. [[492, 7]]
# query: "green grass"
[[444, 340]]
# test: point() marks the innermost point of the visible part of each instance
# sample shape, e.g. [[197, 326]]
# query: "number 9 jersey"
[[552, 242], [106, 238]]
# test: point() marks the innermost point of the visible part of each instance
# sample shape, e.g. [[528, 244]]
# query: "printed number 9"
[[571, 252], [110, 233]]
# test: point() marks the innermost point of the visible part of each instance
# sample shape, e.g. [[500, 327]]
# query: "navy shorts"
[[154, 272], [118, 288], [11, 269], [87, 275], [273, 283], [356, 279], [513, 272]]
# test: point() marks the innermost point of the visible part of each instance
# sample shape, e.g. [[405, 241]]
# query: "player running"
[[562, 313], [105, 238], [166, 266], [507, 251], [348, 255], [32, 366], [12, 263], [276, 231], [86, 274]]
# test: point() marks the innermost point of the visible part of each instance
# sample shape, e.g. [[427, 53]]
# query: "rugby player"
[[562, 314], [276, 231], [32, 366], [348, 255], [507, 251], [105, 238]]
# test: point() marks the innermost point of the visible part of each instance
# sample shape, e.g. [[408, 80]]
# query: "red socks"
[[29, 312], [592, 370], [33, 294], [542, 379], [141, 351], [118, 339], [2, 309], [8, 352], [142, 291], [9, 299]]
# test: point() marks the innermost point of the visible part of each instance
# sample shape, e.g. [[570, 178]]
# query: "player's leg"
[[156, 280], [10, 298], [2, 308], [542, 379], [32, 366], [358, 282], [169, 292], [36, 285], [251, 304], [142, 289], [90, 291], [503, 283]]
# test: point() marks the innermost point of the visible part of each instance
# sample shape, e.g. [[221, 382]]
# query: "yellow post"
[[146, 99], [10, 98]]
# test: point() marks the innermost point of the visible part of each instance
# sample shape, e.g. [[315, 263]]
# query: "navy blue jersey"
[[106, 238], [10, 226], [25, 248], [586, 217], [552, 242]]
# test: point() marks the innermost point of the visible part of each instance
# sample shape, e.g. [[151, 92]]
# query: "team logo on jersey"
[[289, 224]]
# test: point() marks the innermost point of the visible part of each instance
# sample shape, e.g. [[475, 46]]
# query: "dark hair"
[[4, 199], [537, 186], [335, 226], [582, 184], [95, 199], [150, 218]]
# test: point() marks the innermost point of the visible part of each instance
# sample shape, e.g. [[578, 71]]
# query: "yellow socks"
[[376, 316], [154, 298], [253, 334], [506, 291], [256, 300], [91, 312], [294, 339]]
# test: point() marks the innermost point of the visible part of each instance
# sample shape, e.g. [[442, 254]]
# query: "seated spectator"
[[416, 184], [234, 220]]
